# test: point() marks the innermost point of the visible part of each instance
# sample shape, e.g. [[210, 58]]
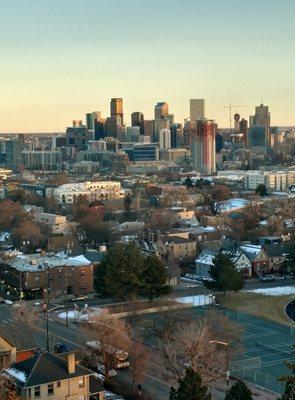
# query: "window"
[[37, 391], [58, 384], [82, 273], [81, 397], [60, 277], [50, 389], [83, 286], [81, 382]]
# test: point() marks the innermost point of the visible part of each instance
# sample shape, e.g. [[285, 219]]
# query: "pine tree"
[[154, 278], [239, 391], [225, 275], [289, 380], [190, 387]]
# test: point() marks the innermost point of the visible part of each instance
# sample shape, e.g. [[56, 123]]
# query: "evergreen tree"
[[225, 275], [188, 182], [154, 278], [120, 273], [125, 273], [261, 190], [239, 391], [289, 381], [190, 387]]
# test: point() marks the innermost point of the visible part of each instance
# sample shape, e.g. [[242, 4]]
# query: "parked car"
[[267, 278], [101, 370], [8, 302], [80, 298]]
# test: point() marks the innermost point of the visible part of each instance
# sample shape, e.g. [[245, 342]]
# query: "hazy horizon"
[[63, 58]]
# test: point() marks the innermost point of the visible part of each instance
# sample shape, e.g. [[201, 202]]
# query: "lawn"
[[269, 307]]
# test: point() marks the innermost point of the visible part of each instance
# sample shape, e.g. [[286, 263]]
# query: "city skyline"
[[56, 65]]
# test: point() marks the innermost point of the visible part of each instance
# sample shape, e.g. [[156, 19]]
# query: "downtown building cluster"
[[107, 144]]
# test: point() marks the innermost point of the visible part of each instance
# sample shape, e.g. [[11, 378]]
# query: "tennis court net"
[[276, 350]]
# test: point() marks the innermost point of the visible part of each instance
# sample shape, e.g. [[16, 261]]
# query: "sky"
[[62, 58]]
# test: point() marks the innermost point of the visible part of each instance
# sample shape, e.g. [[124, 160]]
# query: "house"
[[204, 261], [48, 375], [258, 257], [277, 254], [57, 224]]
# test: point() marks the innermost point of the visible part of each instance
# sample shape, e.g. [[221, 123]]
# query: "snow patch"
[[197, 301], [275, 291], [19, 375]]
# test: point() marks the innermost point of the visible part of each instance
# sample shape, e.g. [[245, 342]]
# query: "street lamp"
[[226, 344]]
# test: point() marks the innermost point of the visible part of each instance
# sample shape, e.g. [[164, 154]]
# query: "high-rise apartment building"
[[203, 147], [161, 110], [197, 109], [137, 119], [116, 106]]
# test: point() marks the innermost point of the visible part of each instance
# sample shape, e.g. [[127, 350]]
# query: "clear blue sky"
[[62, 58]]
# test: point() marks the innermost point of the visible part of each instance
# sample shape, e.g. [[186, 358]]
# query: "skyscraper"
[[161, 110], [262, 118], [197, 109], [137, 119], [116, 106], [203, 147], [165, 139]]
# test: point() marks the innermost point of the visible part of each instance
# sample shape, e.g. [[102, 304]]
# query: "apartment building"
[[69, 193], [58, 224]]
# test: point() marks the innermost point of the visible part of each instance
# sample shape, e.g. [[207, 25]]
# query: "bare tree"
[[139, 361], [111, 336], [191, 344], [215, 198], [7, 390]]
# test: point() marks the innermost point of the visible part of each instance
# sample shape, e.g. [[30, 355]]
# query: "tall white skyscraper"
[[197, 109]]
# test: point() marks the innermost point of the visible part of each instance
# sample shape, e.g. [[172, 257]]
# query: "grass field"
[[268, 307]]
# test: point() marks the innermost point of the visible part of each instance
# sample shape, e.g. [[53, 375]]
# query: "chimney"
[[71, 363]]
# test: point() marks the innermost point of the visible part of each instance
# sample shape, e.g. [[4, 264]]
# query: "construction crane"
[[230, 106]]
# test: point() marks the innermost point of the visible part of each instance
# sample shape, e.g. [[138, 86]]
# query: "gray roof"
[[43, 368]]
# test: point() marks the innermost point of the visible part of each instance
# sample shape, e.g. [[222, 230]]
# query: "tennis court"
[[267, 346]]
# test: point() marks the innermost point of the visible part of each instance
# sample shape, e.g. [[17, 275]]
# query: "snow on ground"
[[275, 291], [233, 204], [78, 315], [199, 300]]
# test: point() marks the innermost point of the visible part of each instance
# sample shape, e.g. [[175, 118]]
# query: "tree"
[[215, 198], [11, 214], [190, 387], [191, 343], [127, 203], [139, 361], [28, 234], [239, 391], [96, 231], [225, 276], [289, 381], [261, 190], [112, 334], [7, 390], [154, 278], [120, 275], [188, 182], [125, 273]]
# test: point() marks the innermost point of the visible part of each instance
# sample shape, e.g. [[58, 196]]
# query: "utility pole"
[[69, 245], [20, 286], [47, 307]]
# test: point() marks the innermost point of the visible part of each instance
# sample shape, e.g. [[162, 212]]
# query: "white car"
[[8, 302], [101, 370]]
